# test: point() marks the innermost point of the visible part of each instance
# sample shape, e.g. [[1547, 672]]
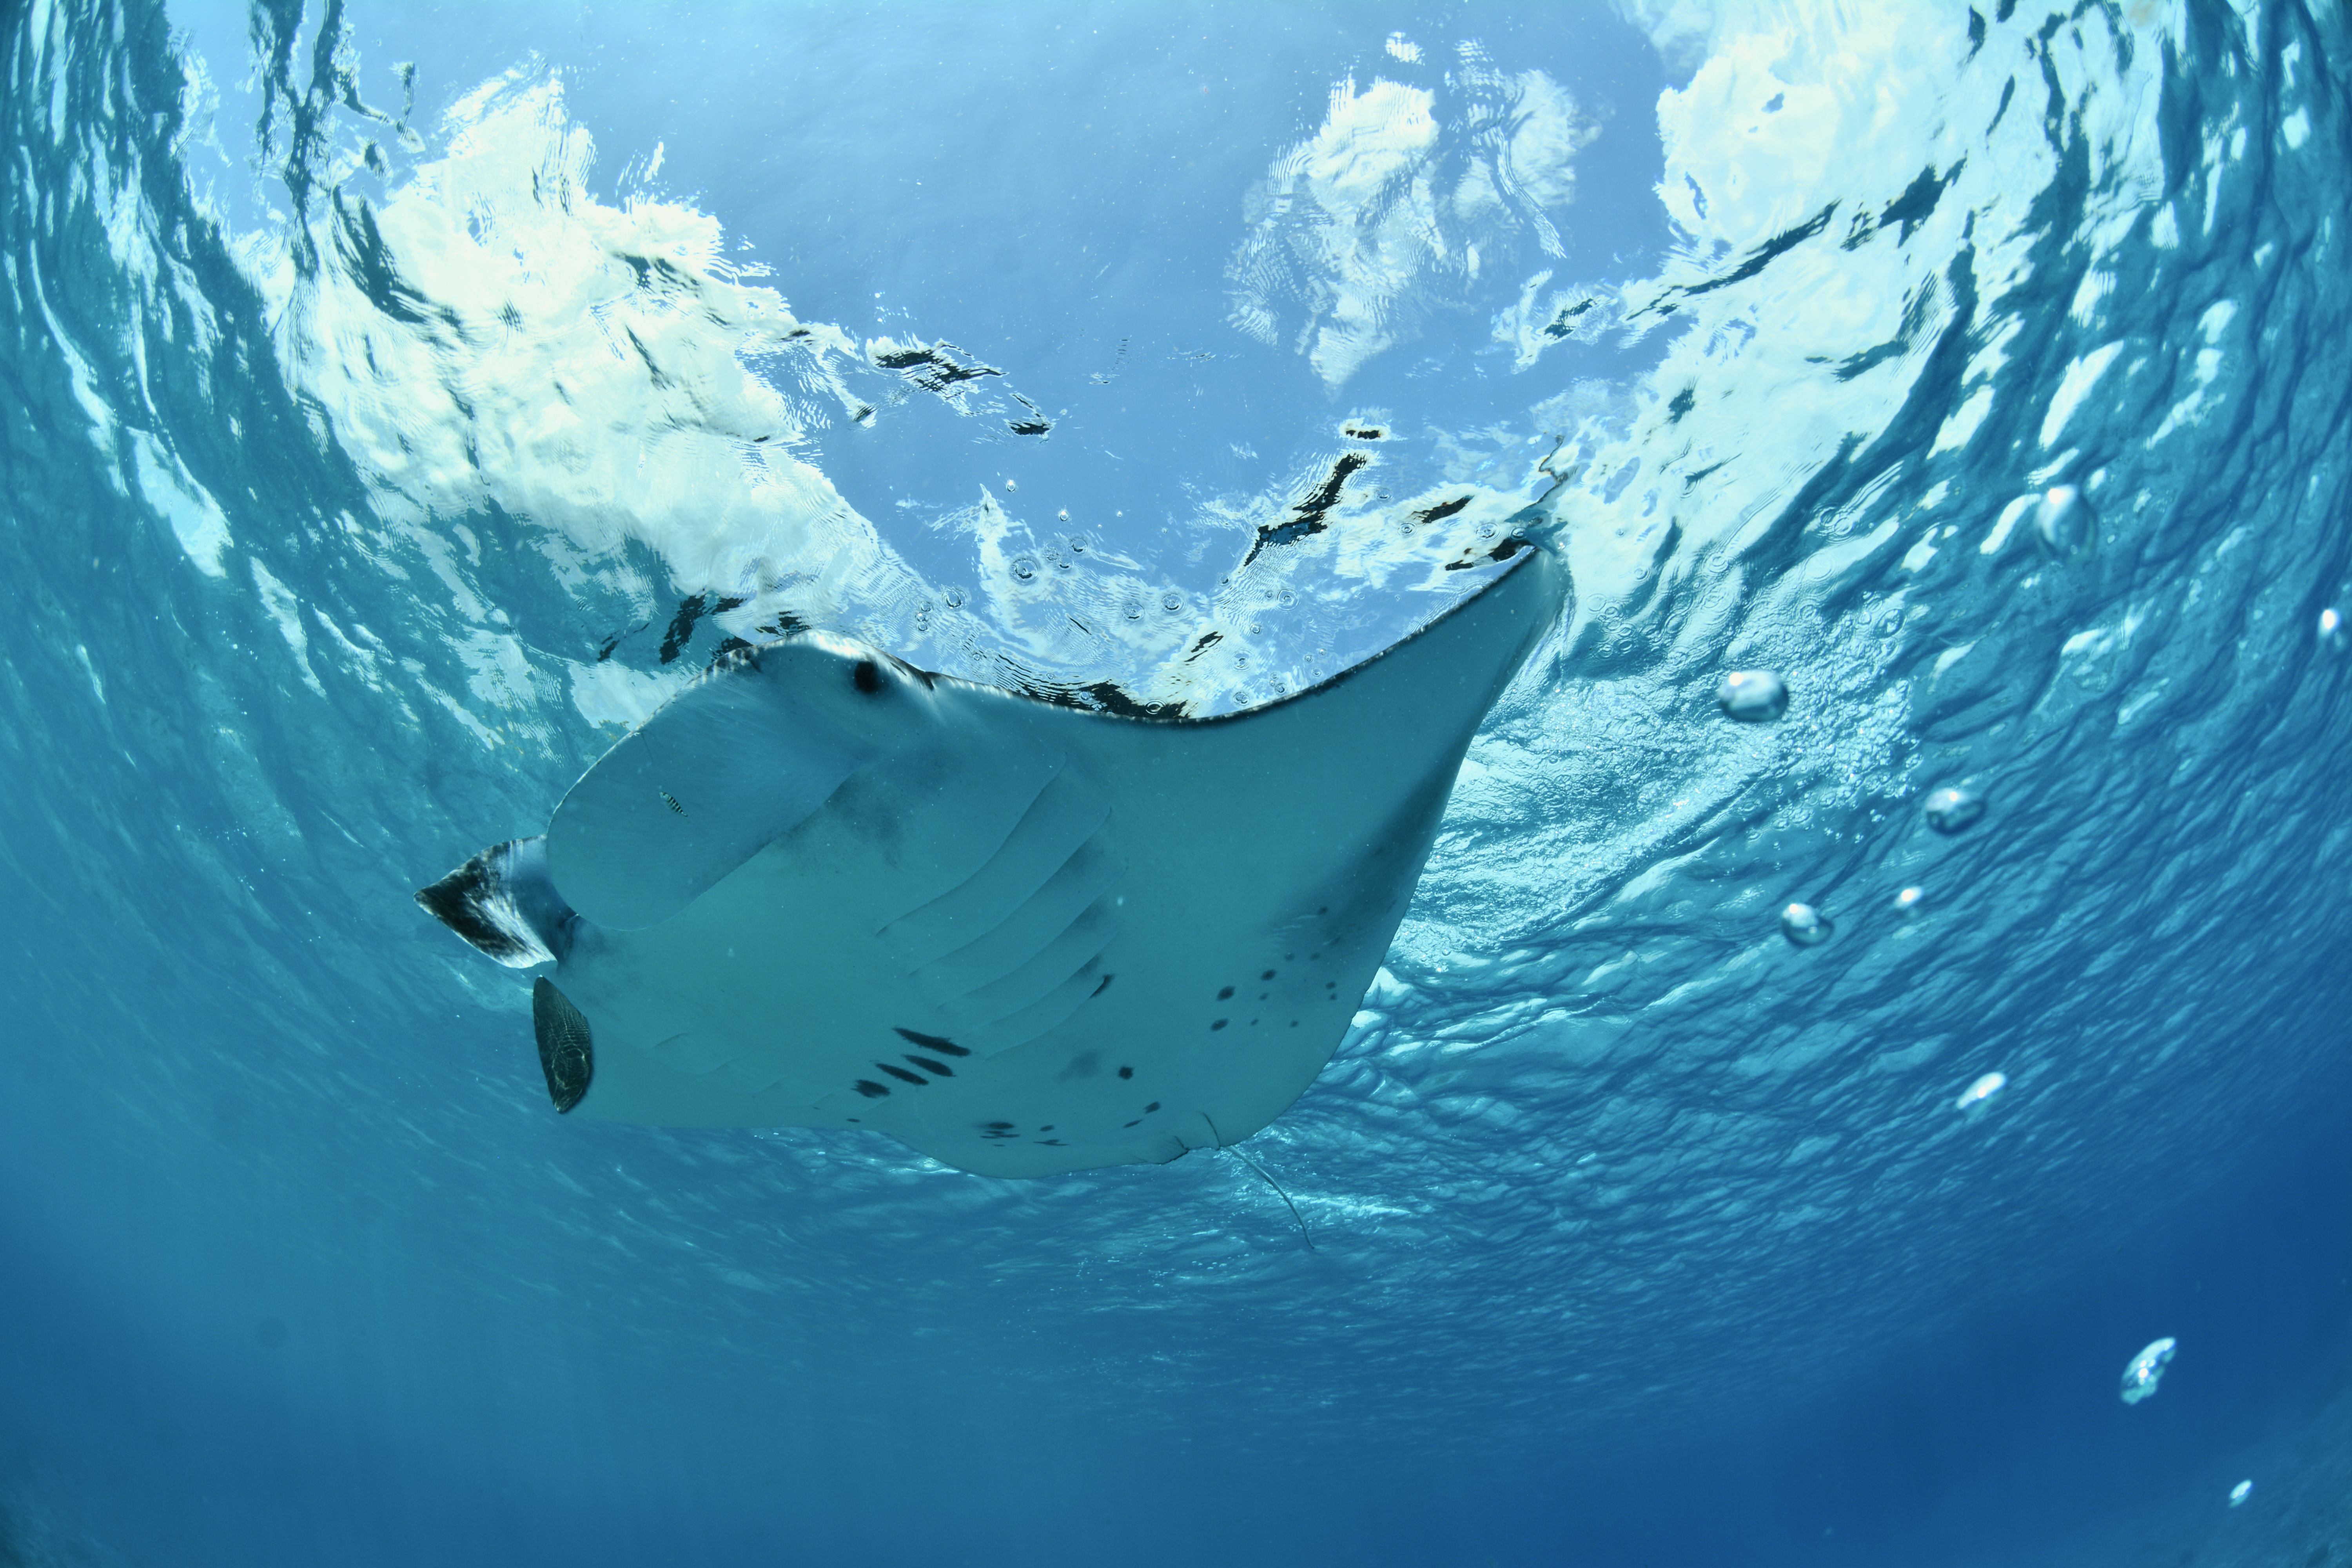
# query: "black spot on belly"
[[1267, 975], [1102, 988], [1226, 995], [929, 1066], [902, 1074], [1127, 1072], [866, 677], [1150, 1107], [1048, 1142], [869, 1088], [1047, 1128], [931, 1042], [1219, 1024], [1137, 1122]]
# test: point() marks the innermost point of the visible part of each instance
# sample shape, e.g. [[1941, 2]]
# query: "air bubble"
[[1062, 515], [1952, 809], [1485, 530], [1984, 1089], [1077, 541], [1023, 568], [1753, 696], [1011, 486], [1907, 902], [1806, 926], [1172, 603], [2147, 1369], [953, 598], [2331, 629], [2064, 521], [1287, 598], [2240, 1492]]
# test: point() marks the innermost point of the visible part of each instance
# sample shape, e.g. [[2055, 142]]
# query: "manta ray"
[[822, 887]]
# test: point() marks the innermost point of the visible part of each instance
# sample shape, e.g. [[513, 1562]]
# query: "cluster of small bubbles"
[[2331, 629], [954, 598], [2147, 1369], [1023, 568], [2064, 521], [1984, 1089], [1805, 926], [923, 616], [1907, 902], [1753, 696], [1952, 808]]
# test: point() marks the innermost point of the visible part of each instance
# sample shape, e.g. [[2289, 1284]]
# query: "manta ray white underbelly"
[[821, 889]]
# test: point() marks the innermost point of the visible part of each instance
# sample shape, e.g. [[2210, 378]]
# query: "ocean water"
[[397, 404]]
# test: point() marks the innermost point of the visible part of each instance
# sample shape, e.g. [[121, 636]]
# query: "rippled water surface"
[[398, 406]]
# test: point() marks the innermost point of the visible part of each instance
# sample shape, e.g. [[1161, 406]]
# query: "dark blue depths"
[[297, 1269]]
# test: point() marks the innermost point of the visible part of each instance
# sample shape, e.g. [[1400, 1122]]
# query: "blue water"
[[364, 431]]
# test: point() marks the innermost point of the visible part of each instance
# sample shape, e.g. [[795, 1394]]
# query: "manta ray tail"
[[503, 903], [1269, 1181]]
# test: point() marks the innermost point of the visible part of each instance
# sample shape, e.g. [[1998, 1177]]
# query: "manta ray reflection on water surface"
[[823, 889]]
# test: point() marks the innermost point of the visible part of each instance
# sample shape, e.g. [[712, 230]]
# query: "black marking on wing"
[[1441, 510], [1503, 551], [1561, 324], [902, 1074], [1356, 431], [929, 1066], [681, 628], [1097, 696], [1764, 254], [1208, 640], [869, 1088], [934, 369], [931, 1042], [1308, 518]]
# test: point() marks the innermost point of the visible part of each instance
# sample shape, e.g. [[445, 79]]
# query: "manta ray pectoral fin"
[[503, 903], [745, 755], [566, 1054]]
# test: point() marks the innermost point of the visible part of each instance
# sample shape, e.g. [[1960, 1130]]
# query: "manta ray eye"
[[866, 677]]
